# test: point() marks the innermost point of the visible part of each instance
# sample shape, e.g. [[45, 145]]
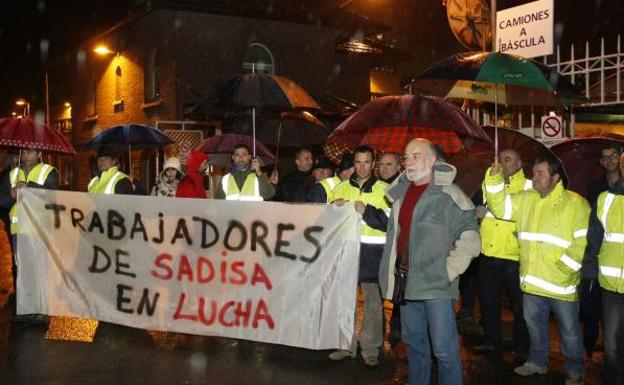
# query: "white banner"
[[526, 30], [269, 272]]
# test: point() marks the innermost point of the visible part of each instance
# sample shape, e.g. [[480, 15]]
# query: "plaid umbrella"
[[387, 124]]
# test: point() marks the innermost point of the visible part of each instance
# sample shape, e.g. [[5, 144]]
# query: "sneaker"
[[574, 379], [371, 361], [340, 355], [529, 369]]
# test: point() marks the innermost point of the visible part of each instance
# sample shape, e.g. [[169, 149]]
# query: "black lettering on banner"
[[122, 300], [205, 224], [181, 232], [116, 220], [228, 233], [257, 238], [307, 234], [77, 216], [56, 209], [145, 303], [95, 268], [120, 265], [161, 230], [138, 227], [96, 222], [279, 243]]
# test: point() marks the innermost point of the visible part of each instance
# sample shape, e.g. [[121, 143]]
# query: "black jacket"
[[293, 187]]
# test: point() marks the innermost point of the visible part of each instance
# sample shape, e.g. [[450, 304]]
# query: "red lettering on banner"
[[185, 269], [160, 263], [230, 314], [236, 272]]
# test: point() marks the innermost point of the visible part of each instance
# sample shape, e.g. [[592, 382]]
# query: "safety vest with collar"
[[552, 235], [610, 212], [329, 184], [37, 174], [498, 238], [106, 182], [249, 192], [373, 193]]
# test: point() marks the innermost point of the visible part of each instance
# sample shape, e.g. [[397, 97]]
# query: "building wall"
[[196, 51]]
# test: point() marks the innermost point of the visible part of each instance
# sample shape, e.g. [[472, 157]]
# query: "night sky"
[[33, 32]]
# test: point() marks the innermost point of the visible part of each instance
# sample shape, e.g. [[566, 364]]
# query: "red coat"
[[192, 186]]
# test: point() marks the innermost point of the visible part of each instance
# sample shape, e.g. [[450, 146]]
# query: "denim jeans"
[[431, 319], [613, 327], [496, 275], [536, 312]]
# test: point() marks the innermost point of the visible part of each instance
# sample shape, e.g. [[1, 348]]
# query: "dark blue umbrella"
[[132, 136]]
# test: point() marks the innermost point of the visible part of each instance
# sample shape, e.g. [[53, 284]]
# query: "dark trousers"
[[590, 317], [613, 326], [495, 275], [468, 289]]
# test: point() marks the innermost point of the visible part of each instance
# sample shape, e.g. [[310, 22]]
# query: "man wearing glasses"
[[590, 313]]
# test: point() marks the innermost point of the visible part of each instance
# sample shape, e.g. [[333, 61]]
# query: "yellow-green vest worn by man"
[[552, 235], [249, 192], [372, 193], [498, 238], [106, 182], [38, 174], [329, 184], [610, 210]]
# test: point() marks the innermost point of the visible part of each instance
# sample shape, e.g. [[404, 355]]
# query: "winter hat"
[[173, 162], [345, 163], [108, 150], [324, 163]]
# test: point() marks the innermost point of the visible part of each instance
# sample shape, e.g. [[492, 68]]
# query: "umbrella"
[[388, 123], [288, 129], [254, 90], [581, 157], [24, 133], [219, 148], [471, 165], [132, 136], [490, 75]]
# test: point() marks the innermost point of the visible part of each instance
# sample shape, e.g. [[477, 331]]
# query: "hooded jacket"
[[444, 237], [192, 186]]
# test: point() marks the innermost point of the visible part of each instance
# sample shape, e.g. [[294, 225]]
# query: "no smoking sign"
[[552, 127]]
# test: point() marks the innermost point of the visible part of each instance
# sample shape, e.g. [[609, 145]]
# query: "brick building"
[[167, 55]]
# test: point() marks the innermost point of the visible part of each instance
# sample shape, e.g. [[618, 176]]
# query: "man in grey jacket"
[[432, 235]]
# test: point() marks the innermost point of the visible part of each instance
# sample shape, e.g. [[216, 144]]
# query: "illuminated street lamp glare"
[[102, 50]]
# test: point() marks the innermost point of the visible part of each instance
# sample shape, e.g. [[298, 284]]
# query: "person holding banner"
[[167, 182], [367, 193], [432, 236], [108, 179], [33, 173], [245, 181]]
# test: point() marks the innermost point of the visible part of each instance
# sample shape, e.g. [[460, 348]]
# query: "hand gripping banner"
[[263, 271]]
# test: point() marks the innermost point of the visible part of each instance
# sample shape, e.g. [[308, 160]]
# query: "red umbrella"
[[581, 157], [219, 148], [387, 124], [24, 133]]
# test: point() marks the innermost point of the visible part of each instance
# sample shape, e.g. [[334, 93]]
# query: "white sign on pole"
[[526, 30], [249, 270]]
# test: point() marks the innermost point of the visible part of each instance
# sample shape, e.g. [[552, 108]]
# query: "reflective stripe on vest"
[[548, 286], [609, 236], [611, 256], [611, 271], [544, 237], [233, 193]]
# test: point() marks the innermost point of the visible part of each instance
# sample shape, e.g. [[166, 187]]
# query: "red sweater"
[[412, 196]]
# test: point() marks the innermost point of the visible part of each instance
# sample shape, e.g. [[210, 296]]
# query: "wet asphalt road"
[[121, 355]]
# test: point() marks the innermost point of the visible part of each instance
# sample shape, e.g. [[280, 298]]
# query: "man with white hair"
[[432, 236]]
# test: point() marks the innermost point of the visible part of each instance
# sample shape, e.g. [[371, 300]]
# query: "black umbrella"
[[254, 90]]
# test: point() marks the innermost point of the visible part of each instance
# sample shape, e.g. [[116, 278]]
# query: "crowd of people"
[[543, 244]]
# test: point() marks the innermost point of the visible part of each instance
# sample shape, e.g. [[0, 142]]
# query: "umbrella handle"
[[253, 125]]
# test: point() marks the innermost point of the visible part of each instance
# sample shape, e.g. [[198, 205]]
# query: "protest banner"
[[263, 271]]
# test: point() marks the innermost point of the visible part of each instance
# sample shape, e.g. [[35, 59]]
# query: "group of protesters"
[[420, 232]]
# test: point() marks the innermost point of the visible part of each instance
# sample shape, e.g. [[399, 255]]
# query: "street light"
[[25, 104], [103, 50]]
